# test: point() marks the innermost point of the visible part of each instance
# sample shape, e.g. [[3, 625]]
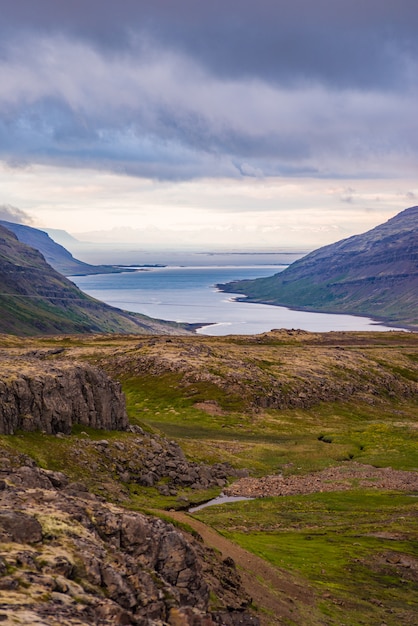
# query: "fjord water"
[[188, 294]]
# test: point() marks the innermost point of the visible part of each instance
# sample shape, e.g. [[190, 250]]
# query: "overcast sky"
[[272, 122]]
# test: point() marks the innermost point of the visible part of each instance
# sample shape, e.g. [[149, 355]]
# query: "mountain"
[[373, 274], [55, 254], [61, 236], [36, 300]]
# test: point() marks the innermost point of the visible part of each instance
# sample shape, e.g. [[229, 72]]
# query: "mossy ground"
[[266, 441], [357, 548]]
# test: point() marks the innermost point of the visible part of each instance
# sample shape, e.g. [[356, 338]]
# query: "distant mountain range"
[[373, 274], [37, 300], [55, 254]]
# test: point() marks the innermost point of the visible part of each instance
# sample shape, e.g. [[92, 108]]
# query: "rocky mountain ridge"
[[53, 396], [373, 274], [247, 373]]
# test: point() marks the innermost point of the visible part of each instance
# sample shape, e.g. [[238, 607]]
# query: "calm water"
[[188, 294], [221, 499]]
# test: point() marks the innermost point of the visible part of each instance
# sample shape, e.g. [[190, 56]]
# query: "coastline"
[[196, 298], [115, 269], [374, 318]]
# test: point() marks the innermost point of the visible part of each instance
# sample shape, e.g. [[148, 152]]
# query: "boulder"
[[19, 527], [41, 396]]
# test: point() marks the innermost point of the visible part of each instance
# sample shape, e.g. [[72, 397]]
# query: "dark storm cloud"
[[184, 89], [344, 42]]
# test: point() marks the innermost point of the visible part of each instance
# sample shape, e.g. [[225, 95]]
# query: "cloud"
[[189, 90], [350, 43], [13, 214]]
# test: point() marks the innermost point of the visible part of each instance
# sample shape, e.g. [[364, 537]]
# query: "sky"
[[263, 123]]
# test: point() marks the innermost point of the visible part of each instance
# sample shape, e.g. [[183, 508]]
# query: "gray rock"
[[20, 527], [148, 479], [117, 588], [32, 478], [57, 479], [53, 400], [105, 564]]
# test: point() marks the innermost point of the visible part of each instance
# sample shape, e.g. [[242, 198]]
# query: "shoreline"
[[225, 322], [375, 319]]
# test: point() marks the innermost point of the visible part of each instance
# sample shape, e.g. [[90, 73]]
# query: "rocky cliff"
[[373, 274], [51, 396], [69, 558], [38, 395]]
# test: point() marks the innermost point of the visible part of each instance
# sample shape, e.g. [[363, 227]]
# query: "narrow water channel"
[[221, 499]]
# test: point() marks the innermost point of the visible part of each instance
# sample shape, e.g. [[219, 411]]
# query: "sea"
[[188, 293]]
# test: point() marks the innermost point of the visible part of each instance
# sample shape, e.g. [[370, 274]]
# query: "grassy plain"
[[358, 549], [288, 440]]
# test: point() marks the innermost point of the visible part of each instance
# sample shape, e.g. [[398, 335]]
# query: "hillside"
[[373, 274], [35, 299], [56, 255]]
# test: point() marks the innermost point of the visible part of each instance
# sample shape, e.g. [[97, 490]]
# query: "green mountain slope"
[[55, 254], [373, 274], [35, 299]]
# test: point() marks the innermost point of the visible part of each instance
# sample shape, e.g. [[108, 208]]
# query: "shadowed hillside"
[[35, 299], [373, 274], [56, 255]]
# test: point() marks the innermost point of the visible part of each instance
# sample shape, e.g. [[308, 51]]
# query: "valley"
[[208, 414]]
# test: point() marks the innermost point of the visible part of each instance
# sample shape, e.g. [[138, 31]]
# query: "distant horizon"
[[130, 254], [152, 246]]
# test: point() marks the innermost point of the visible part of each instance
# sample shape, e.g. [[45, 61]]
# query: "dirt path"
[[278, 595], [281, 598]]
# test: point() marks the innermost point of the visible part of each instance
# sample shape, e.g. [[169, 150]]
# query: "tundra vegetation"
[[297, 406]]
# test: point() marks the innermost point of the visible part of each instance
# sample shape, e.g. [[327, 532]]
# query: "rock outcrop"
[[68, 557], [38, 395], [277, 370], [148, 460]]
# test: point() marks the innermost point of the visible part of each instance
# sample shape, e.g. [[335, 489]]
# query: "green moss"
[[282, 440], [170, 392], [348, 545]]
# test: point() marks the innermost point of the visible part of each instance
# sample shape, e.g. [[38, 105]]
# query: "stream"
[[221, 499]]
